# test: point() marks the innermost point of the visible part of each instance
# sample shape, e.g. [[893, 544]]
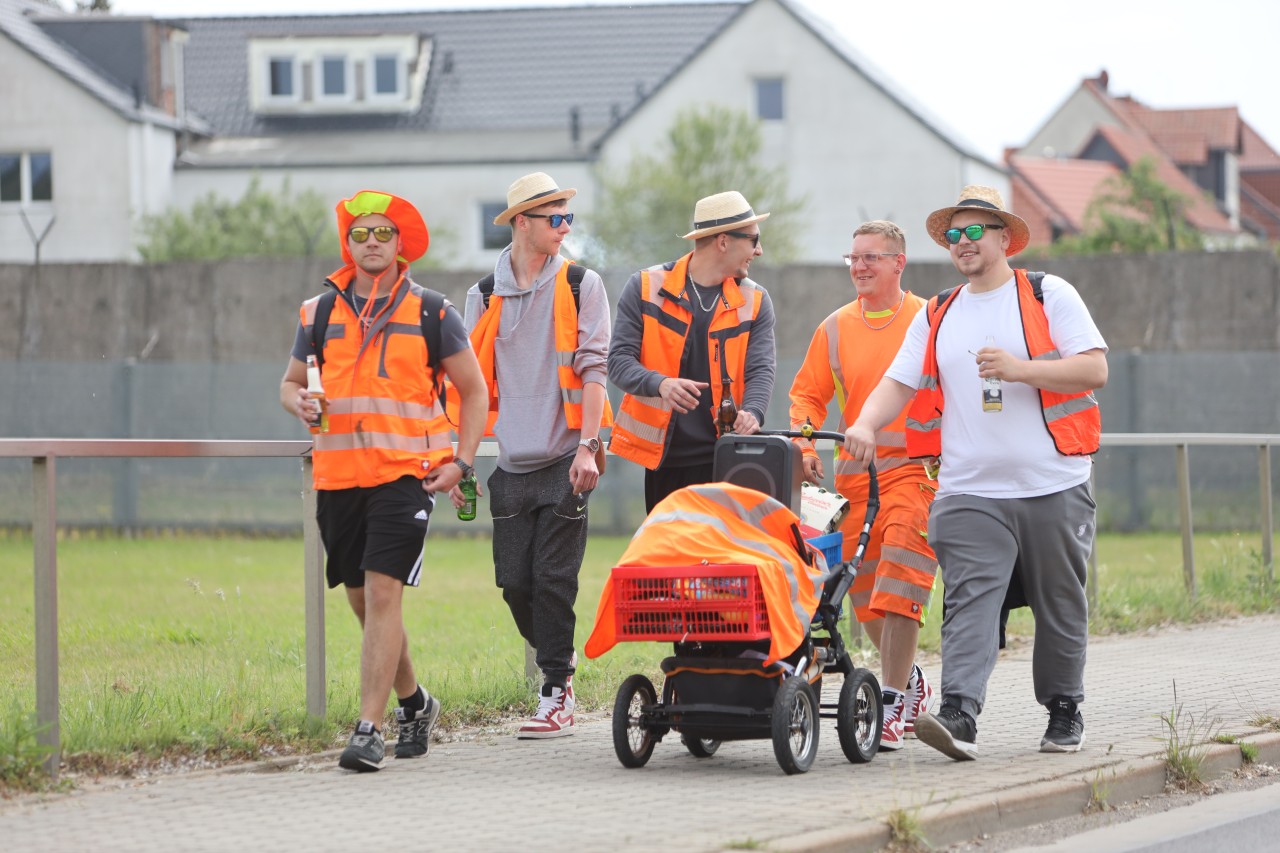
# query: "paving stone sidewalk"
[[498, 793]]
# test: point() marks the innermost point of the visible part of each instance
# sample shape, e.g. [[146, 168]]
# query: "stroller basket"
[[689, 603]]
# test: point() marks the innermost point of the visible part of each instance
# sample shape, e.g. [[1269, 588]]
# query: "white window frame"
[[24, 199], [295, 80], [371, 78], [348, 78]]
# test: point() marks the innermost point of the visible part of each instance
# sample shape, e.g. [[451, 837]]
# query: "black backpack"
[[433, 304], [575, 274]]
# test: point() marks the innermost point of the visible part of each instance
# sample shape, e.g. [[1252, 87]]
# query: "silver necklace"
[[698, 296], [889, 322]]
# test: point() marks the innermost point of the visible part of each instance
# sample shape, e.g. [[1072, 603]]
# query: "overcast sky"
[[990, 71]]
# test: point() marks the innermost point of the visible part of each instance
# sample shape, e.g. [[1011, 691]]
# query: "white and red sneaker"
[[554, 717], [919, 698], [892, 734]]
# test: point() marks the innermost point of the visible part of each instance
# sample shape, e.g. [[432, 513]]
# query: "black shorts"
[[377, 529]]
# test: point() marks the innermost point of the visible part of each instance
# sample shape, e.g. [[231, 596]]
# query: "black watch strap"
[[467, 470]]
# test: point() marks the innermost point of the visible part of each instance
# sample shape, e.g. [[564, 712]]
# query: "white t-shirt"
[[1005, 454]]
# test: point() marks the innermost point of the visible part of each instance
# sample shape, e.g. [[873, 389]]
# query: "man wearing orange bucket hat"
[[382, 444]]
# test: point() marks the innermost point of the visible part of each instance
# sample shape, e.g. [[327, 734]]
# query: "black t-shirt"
[[693, 435]]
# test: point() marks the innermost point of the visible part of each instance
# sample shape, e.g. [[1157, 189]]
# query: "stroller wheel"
[[632, 740], [795, 726], [700, 747], [860, 716]]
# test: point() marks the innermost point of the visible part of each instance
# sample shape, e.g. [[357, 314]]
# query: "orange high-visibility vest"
[[485, 334], [722, 523], [641, 432], [847, 360], [1073, 420], [385, 420]]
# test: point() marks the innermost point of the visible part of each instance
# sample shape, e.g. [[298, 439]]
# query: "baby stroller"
[[745, 667]]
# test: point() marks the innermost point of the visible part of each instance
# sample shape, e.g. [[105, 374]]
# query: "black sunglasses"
[[742, 235], [381, 233], [973, 232], [554, 218]]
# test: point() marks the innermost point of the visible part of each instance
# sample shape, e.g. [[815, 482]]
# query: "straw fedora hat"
[[529, 192], [722, 212], [988, 200]]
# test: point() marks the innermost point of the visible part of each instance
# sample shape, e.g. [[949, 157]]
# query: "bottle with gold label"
[[316, 390], [992, 393]]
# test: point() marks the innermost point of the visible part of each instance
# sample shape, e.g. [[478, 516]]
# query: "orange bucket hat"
[[414, 237]]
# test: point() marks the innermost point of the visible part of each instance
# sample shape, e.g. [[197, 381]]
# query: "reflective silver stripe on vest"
[[748, 289], [643, 431], [891, 438], [1071, 407], [832, 328], [571, 395], [565, 359], [902, 589], [907, 557], [927, 381], [846, 467], [1046, 356], [924, 426]]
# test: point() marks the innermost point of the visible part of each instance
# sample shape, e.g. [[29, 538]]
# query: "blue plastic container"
[[831, 545]]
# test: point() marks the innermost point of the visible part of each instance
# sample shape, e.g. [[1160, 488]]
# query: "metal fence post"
[[1264, 475], [44, 534], [313, 596], [1184, 508]]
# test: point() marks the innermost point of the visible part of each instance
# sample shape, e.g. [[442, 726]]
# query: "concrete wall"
[[246, 311]]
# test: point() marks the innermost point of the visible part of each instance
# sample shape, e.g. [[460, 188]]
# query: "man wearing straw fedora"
[[540, 327], [1001, 400], [689, 333]]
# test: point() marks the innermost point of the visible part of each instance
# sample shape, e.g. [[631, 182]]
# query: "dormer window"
[[356, 74]]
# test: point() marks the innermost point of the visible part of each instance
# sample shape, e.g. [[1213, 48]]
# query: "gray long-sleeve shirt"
[[531, 429], [628, 373]]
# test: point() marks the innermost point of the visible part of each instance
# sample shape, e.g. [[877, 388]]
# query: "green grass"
[[176, 645]]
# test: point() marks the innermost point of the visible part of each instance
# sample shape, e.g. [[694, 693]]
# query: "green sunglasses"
[[973, 232]]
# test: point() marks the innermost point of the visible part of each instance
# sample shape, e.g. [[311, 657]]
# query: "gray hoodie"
[[531, 428]]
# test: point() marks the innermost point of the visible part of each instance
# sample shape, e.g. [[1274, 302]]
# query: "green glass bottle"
[[467, 512]]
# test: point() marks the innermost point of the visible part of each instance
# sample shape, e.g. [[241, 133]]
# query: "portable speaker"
[[766, 463]]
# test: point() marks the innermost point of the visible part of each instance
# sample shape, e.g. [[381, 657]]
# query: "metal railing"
[[44, 454]]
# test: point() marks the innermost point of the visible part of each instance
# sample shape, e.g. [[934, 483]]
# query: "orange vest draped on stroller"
[[721, 523]]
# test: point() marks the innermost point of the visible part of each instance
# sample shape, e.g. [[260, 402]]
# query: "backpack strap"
[[938, 300], [321, 325], [1036, 280], [575, 276]]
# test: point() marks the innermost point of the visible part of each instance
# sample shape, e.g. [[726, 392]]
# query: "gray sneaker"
[[365, 751], [414, 738]]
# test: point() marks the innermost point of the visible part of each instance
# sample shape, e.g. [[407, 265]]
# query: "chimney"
[[575, 126]]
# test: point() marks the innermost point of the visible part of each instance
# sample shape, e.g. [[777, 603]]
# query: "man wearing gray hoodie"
[[540, 327]]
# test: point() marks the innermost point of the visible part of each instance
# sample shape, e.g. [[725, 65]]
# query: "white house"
[[448, 107], [81, 155]]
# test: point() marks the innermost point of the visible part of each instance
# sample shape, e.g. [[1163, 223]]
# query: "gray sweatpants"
[[539, 538], [979, 541]]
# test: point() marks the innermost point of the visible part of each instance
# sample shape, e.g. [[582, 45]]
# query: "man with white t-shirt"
[[1013, 456]]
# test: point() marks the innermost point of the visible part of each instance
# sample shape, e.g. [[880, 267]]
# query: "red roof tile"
[[1188, 135], [1064, 187], [1254, 150]]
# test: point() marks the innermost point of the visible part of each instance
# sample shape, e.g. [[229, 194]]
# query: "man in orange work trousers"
[[387, 449], [849, 353]]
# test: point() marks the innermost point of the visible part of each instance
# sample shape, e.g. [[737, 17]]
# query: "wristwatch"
[[592, 444], [467, 470]]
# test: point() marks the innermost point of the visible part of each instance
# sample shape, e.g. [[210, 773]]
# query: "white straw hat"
[[529, 192], [722, 212], [987, 200]]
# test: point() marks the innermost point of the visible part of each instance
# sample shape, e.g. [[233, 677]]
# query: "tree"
[[94, 6], [1134, 212], [707, 150], [260, 224]]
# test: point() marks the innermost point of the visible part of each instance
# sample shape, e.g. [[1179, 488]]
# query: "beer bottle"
[[316, 390], [728, 412], [992, 396], [467, 512]]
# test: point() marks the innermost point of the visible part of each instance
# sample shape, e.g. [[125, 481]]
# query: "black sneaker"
[[950, 731], [365, 751], [414, 737], [1066, 727]]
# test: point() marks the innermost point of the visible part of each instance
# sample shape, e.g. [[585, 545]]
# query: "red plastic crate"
[[684, 603]]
